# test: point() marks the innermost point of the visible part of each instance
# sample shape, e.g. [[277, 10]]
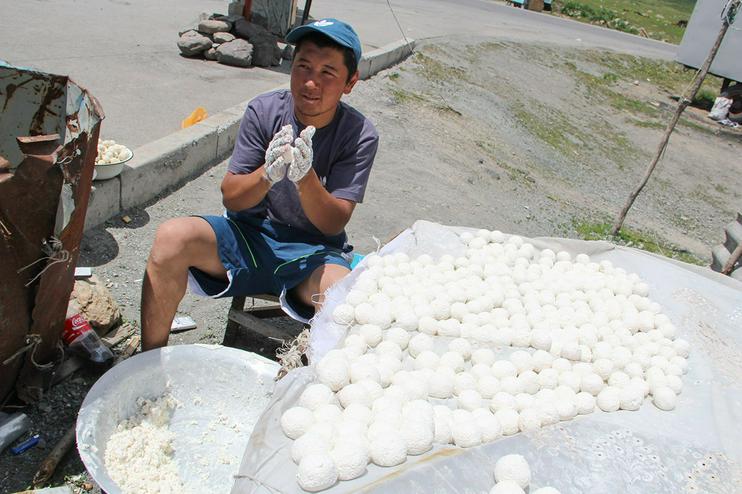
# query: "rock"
[[96, 304], [237, 53], [213, 26], [223, 37], [192, 44], [210, 54], [288, 53], [263, 50], [249, 30]]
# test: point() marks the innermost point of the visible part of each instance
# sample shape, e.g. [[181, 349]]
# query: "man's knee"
[[312, 290], [183, 242]]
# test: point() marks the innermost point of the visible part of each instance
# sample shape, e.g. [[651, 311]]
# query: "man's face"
[[319, 78]]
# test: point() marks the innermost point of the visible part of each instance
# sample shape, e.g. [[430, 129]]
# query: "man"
[[300, 164]]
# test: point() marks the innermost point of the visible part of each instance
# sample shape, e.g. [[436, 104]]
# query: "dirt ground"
[[526, 139]]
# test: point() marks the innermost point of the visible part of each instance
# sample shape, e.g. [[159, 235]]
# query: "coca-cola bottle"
[[81, 338]]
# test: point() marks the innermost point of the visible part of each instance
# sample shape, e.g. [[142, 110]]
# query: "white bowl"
[[220, 388], [105, 171]]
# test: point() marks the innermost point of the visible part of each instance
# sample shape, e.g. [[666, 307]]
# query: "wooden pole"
[[247, 10], [685, 100]]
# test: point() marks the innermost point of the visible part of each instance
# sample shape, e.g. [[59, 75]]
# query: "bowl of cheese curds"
[[111, 159]]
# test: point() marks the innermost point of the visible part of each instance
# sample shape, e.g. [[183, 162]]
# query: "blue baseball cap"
[[338, 31]]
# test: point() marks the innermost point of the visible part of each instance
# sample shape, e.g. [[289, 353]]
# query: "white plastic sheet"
[[695, 448]]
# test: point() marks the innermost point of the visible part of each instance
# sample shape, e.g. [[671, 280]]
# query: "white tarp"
[[695, 448]]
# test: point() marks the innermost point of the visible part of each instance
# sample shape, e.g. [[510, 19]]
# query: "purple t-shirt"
[[344, 151]]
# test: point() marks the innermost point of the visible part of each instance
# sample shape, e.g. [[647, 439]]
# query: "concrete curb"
[[167, 163]]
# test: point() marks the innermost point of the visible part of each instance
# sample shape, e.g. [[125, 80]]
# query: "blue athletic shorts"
[[261, 256]]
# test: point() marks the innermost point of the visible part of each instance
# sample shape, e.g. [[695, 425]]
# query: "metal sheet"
[[49, 128], [703, 27]]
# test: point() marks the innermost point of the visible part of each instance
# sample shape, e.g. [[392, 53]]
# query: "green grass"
[[634, 238], [656, 19], [437, 71], [647, 124]]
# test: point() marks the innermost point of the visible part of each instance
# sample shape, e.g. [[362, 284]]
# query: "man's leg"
[[312, 290], [179, 244]]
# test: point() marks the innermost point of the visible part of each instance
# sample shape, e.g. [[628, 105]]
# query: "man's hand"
[[275, 162], [303, 155]]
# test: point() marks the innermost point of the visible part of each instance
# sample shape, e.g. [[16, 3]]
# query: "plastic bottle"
[[80, 337]]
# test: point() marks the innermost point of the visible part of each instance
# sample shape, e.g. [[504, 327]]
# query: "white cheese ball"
[[418, 436], [483, 356], [397, 335], [333, 371], [296, 421], [530, 419], [522, 360], [570, 379], [354, 393], [619, 379], [427, 360], [502, 400], [464, 381], [316, 472], [542, 360], [566, 408], [509, 421], [453, 360], [350, 460], [315, 395], [390, 348], [470, 399], [488, 386], [511, 385], [585, 403], [507, 487], [310, 443], [548, 378], [549, 413], [360, 371], [609, 399], [675, 383], [503, 368], [488, 425], [664, 398], [419, 343], [465, 433], [631, 398], [592, 383], [603, 367], [371, 333], [442, 424], [388, 449], [460, 346], [364, 313], [515, 468], [344, 314], [441, 385]]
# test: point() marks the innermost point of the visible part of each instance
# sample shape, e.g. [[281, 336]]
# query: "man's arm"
[[328, 213], [244, 191]]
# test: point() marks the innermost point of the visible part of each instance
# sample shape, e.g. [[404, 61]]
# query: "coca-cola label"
[[74, 327]]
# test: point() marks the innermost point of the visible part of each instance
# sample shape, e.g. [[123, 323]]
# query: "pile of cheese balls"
[[428, 358], [110, 153]]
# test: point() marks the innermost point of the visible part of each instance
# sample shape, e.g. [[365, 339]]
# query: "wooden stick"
[[682, 104], [49, 465]]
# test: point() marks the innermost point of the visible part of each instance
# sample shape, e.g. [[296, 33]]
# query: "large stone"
[[263, 49], [211, 26], [237, 53], [249, 30], [192, 44], [96, 304], [223, 37]]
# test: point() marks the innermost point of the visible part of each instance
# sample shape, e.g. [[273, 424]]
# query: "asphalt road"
[[124, 51]]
